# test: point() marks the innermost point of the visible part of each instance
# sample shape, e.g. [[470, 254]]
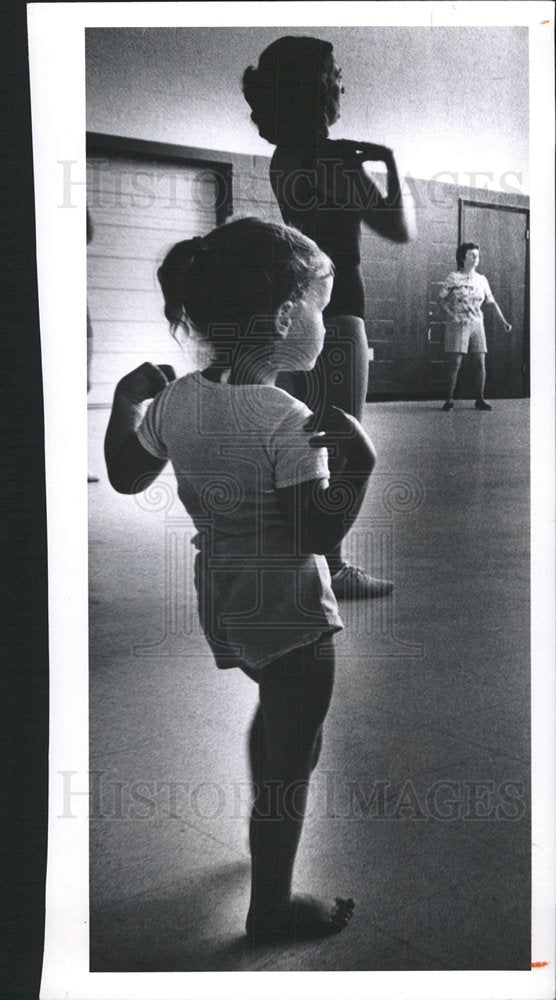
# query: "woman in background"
[[461, 298], [323, 190]]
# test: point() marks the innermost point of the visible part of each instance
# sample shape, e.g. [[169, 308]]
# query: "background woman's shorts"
[[465, 338]]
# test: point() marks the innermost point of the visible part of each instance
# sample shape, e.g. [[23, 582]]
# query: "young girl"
[[266, 502], [323, 190]]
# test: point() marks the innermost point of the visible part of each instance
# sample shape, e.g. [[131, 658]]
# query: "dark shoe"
[[448, 405], [481, 405], [352, 584]]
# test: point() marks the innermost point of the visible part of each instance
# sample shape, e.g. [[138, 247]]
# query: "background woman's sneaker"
[[481, 405], [352, 584], [448, 405]]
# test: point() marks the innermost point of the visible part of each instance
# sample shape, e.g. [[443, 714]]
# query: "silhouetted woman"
[[323, 190]]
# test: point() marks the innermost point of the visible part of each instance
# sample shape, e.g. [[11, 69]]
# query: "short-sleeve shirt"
[[465, 294], [232, 447]]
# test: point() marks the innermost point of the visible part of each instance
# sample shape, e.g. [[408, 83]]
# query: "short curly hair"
[[462, 250], [294, 92]]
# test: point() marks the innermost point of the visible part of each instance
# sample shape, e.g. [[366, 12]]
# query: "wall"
[[401, 281], [445, 99], [403, 321]]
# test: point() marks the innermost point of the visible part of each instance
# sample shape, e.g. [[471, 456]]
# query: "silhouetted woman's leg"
[[340, 378], [345, 361], [344, 364], [340, 375]]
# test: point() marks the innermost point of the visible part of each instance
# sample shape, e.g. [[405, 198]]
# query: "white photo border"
[[57, 67]]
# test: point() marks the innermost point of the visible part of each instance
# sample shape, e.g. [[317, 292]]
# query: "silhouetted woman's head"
[[294, 93], [228, 286]]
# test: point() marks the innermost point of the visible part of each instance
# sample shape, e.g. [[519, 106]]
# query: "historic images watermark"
[[369, 543], [142, 189], [99, 795]]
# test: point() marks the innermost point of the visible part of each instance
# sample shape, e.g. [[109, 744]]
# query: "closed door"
[[502, 235], [139, 208]]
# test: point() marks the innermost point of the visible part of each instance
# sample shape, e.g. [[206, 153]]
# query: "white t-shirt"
[[466, 293], [232, 447]]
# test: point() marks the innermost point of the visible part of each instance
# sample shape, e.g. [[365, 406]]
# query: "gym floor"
[[420, 803]]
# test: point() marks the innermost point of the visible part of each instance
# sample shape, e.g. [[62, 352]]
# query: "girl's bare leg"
[[285, 738], [256, 746]]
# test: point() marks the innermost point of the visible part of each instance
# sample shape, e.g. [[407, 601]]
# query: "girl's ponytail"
[[175, 277]]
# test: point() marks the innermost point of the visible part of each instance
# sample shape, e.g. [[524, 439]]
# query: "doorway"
[[502, 233]]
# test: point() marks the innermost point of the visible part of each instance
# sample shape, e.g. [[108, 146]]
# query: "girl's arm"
[[392, 216], [319, 515], [130, 467]]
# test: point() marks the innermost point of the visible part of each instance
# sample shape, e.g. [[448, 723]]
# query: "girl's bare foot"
[[303, 916]]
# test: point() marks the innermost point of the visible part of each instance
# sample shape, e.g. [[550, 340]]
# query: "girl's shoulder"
[[281, 408], [179, 389], [281, 398]]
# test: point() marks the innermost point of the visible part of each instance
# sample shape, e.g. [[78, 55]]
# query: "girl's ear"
[[283, 318]]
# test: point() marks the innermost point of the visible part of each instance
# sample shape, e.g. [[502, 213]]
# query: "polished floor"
[[420, 803]]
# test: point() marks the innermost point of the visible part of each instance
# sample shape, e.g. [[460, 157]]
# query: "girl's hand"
[[333, 426], [333, 421], [344, 437], [144, 382]]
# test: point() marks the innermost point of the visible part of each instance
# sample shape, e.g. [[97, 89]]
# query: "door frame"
[[525, 362]]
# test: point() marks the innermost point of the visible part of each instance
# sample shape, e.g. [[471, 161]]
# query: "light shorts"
[[465, 338]]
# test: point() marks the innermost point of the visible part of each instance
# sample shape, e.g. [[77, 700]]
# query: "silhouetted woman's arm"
[[391, 216]]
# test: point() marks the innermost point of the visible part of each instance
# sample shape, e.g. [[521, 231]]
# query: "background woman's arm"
[[444, 300], [494, 304]]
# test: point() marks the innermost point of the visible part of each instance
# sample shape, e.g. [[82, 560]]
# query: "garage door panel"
[[139, 210], [118, 337], [136, 306], [135, 240], [110, 367], [141, 184], [130, 274], [183, 218]]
